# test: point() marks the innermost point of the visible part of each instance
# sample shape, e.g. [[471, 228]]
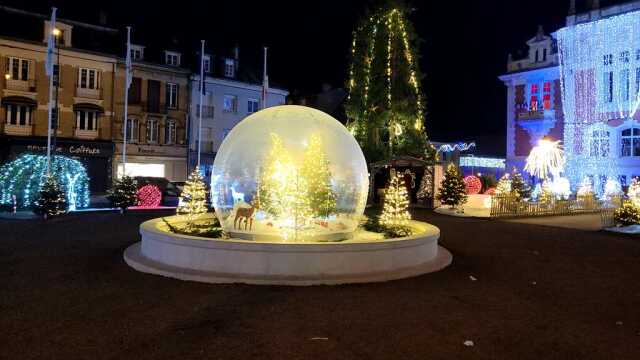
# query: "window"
[[230, 103], [599, 143], [135, 91], [87, 120], [206, 64], [533, 99], [544, 55], [624, 56], [607, 59], [153, 96], [252, 106], [89, 78], [19, 115], [137, 52], [546, 96], [630, 142], [170, 132], [152, 130], [624, 85], [132, 130], [537, 55], [229, 68], [172, 58], [172, 96], [607, 85], [18, 69]]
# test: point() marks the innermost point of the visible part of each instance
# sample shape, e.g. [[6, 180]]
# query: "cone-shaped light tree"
[[51, 199], [317, 177], [452, 189], [520, 189], [194, 196], [385, 105], [396, 202]]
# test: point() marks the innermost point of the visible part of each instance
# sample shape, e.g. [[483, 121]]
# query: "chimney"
[[572, 7], [236, 56], [102, 18], [540, 34]]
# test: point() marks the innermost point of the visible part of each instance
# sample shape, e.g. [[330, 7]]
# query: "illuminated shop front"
[[169, 162]]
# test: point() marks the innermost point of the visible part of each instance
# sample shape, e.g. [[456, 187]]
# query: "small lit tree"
[[452, 189], [123, 193], [194, 196], [396, 202], [51, 199], [317, 179], [520, 189], [504, 186]]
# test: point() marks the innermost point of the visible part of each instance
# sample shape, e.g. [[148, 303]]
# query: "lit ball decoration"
[[289, 173], [472, 184], [149, 196], [25, 176]]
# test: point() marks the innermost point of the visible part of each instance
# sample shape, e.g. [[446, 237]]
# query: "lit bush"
[[628, 214]]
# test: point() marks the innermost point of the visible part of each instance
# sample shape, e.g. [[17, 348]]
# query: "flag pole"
[[265, 81], [49, 69], [200, 104], [127, 80]]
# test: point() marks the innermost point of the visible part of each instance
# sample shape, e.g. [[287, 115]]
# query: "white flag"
[[51, 44], [128, 61]]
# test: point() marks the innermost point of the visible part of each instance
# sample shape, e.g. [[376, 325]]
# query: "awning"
[[88, 107], [18, 100]]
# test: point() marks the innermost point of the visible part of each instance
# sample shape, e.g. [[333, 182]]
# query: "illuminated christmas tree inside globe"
[[289, 173]]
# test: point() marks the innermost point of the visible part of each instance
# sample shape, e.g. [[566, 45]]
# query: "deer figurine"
[[246, 215]]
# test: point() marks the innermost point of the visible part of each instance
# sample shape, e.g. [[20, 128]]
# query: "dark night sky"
[[464, 49]]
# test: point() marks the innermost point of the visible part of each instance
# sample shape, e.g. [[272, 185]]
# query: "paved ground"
[[589, 222], [541, 293]]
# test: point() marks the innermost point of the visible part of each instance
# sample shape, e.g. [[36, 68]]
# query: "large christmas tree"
[[452, 189], [385, 105], [194, 196]]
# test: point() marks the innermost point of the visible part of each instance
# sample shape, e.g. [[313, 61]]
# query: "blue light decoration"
[[459, 147], [24, 177], [480, 162], [599, 72]]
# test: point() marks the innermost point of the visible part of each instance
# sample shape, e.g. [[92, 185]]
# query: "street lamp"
[[7, 76], [56, 32]]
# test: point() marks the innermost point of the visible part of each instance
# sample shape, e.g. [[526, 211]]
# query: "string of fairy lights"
[[598, 62], [396, 25]]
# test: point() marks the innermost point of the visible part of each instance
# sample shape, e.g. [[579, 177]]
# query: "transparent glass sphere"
[[289, 173]]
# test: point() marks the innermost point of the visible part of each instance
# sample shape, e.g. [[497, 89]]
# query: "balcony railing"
[[531, 115], [18, 130], [21, 85], [89, 93], [86, 134]]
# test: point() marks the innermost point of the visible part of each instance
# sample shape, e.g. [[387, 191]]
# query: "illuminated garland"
[[488, 163], [455, 147], [24, 177], [149, 196]]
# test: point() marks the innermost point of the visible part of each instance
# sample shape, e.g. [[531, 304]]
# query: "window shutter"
[[31, 74]]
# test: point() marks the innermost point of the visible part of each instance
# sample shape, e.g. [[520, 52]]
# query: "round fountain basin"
[[278, 263]]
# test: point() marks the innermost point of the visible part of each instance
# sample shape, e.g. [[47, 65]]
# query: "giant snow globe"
[[289, 174]]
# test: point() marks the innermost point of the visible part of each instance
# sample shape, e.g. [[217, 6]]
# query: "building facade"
[[225, 102], [157, 118], [586, 95], [83, 95]]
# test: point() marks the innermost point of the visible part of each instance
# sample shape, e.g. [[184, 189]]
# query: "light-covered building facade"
[[594, 77]]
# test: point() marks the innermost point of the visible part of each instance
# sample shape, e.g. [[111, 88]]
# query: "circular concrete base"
[[270, 263]]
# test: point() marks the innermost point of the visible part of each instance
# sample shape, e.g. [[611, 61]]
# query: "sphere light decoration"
[[149, 196], [25, 176], [472, 184], [289, 173]]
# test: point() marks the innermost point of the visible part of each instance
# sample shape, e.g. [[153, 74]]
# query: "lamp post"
[[56, 34]]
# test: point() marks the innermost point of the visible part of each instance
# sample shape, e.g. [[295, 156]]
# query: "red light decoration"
[[472, 184], [149, 196], [490, 191]]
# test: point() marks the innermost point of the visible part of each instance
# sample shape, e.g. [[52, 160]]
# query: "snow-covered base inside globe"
[[362, 257]]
